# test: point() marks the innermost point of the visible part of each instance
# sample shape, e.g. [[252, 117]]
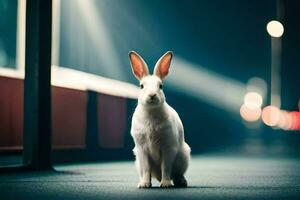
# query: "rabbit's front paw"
[[165, 183], [144, 184]]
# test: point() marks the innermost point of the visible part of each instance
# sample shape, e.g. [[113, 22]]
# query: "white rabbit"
[[157, 130]]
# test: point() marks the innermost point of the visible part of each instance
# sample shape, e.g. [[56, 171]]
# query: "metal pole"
[[37, 86]]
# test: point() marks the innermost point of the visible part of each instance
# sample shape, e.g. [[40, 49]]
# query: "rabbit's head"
[[151, 92]]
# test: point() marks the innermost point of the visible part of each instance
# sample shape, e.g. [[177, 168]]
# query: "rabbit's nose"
[[152, 96]]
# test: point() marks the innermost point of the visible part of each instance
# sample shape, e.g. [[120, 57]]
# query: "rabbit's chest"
[[152, 133], [158, 138], [158, 134]]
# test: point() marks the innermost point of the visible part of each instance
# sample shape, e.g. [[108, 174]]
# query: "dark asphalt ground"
[[210, 177]]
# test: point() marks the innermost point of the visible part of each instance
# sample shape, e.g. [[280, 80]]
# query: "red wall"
[[68, 117], [69, 110], [69, 114], [111, 121], [11, 113]]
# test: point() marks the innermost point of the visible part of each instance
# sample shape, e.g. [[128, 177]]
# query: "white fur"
[[158, 134]]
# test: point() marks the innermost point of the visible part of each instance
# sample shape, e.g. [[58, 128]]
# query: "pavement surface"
[[209, 177]]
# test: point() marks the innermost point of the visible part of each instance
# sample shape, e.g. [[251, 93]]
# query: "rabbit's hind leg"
[[180, 166]]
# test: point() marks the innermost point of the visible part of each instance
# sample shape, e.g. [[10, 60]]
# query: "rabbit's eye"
[[160, 86], [141, 86]]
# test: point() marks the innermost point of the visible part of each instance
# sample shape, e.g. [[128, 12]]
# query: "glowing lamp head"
[[275, 29]]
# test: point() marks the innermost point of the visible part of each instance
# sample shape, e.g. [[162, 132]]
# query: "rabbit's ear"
[[138, 65], [163, 64]]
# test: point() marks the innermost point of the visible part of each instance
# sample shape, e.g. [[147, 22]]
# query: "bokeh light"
[[285, 120], [271, 115], [275, 28], [250, 114], [295, 120], [257, 84], [253, 100]]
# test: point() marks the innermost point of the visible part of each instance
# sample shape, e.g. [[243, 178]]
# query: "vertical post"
[[37, 86], [55, 32], [92, 123], [21, 19], [276, 46], [275, 72]]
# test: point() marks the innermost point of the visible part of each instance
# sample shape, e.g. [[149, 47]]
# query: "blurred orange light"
[[285, 121], [271, 115], [295, 120], [250, 114], [253, 100]]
